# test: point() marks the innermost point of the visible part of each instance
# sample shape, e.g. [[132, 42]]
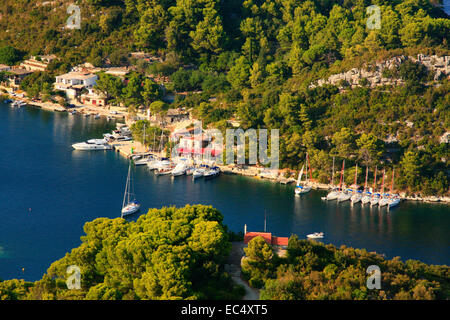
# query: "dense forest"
[[170, 253], [257, 59], [314, 271]]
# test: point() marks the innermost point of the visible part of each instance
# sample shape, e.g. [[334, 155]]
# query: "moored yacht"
[[91, 145], [366, 198], [333, 195], [315, 235], [344, 196], [356, 197], [375, 199], [179, 170], [198, 173]]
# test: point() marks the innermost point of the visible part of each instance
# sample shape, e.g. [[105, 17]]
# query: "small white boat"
[[18, 103], [152, 164], [190, 170], [179, 170], [129, 206], [315, 235], [143, 160], [211, 173], [198, 173], [97, 141], [97, 116], [91, 146]]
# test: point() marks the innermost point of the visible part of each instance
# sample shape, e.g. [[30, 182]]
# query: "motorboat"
[[211, 173], [142, 160], [315, 235], [129, 206], [198, 173], [152, 164], [164, 166], [18, 103], [93, 145], [97, 141], [179, 170], [163, 171]]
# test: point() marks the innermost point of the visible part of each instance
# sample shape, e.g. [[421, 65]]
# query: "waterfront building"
[[16, 75], [73, 83], [93, 98]]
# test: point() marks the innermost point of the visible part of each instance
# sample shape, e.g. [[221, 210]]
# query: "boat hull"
[[302, 190], [333, 195], [344, 197], [130, 209]]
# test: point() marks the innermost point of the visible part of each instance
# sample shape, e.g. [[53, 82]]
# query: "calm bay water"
[[48, 191]]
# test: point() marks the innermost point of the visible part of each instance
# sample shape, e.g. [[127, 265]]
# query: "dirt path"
[[234, 269]]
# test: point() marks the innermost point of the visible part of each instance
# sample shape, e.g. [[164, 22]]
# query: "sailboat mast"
[[332, 174], [126, 188], [382, 184], [356, 177], [375, 180], [367, 175], [342, 173]]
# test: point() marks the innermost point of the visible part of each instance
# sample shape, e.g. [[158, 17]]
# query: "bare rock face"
[[373, 73], [445, 138]]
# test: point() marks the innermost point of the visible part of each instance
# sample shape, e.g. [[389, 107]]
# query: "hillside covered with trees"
[[258, 58], [168, 253], [314, 271]]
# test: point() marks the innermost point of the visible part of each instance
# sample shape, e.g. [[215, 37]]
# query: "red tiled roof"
[[250, 235], [280, 241], [272, 240]]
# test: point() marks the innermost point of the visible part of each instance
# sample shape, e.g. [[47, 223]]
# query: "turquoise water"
[[48, 191]]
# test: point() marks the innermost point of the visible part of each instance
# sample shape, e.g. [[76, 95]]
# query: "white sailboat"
[[375, 196], [334, 193], [357, 195], [366, 194], [299, 188], [384, 199], [129, 205], [394, 200], [343, 194]]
